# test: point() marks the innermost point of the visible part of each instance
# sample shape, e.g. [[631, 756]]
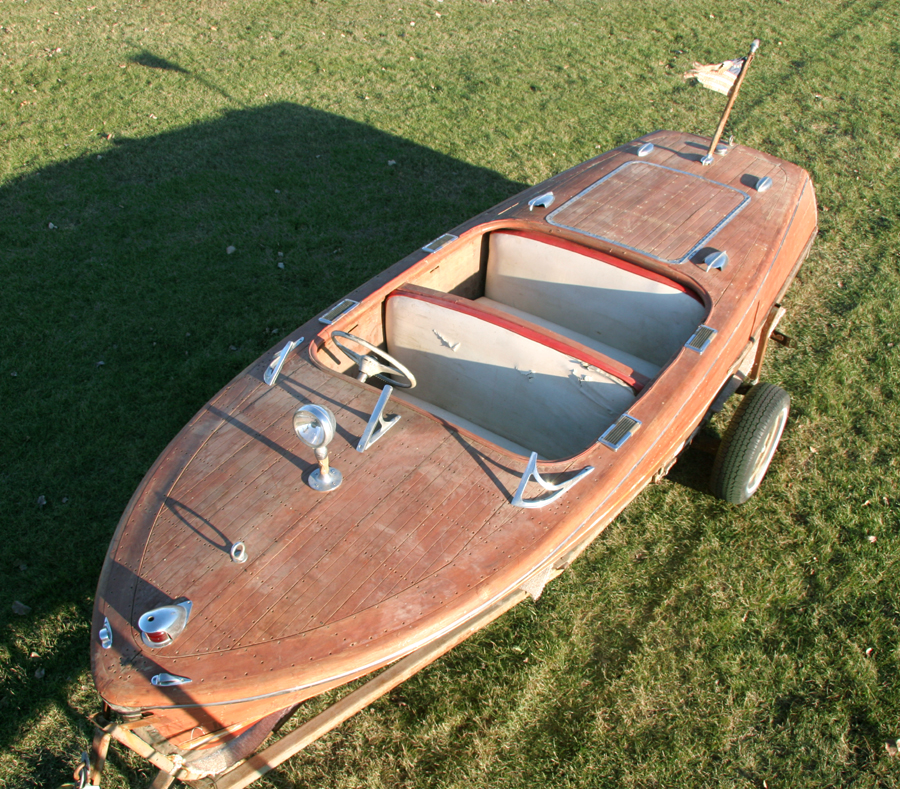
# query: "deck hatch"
[[701, 338], [658, 211], [619, 432]]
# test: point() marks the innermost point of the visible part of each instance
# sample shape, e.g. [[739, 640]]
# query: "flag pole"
[[732, 95]]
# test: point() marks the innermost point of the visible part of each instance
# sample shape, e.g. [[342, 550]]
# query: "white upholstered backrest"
[[615, 305]]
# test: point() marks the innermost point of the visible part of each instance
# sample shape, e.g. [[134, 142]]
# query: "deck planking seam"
[[368, 536], [390, 587], [412, 540], [288, 470], [271, 567], [351, 522]]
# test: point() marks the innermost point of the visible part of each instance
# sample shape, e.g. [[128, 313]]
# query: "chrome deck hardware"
[[619, 432], [337, 311], [377, 425], [531, 473], [440, 241], [315, 426], [166, 680], [646, 149], [701, 338], [238, 552], [270, 376], [715, 260], [541, 201], [161, 626], [105, 634]]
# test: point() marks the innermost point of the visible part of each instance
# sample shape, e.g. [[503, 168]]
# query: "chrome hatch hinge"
[[531, 473], [377, 425]]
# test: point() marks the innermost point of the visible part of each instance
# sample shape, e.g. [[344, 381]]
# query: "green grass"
[[695, 644]]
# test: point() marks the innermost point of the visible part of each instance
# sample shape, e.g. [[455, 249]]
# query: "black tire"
[[749, 443]]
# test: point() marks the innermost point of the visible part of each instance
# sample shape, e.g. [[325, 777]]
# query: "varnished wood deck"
[[421, 534]]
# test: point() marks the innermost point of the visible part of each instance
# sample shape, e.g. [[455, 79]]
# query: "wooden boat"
[[524, 377]]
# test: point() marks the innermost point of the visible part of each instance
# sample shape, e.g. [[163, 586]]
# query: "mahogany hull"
[[422, 534]]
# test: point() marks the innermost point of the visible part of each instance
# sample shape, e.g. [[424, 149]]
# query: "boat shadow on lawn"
[[123, 312]]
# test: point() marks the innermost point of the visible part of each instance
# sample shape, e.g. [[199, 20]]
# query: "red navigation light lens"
[[161, 625]]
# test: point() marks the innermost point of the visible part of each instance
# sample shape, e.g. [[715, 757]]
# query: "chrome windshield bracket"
[[377, 425], [531, 473], [270, 376]]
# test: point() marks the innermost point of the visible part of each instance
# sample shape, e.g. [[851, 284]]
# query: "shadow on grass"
[[138, 282], [149, 60]]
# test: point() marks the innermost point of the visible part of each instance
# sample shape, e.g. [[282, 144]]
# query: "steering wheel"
[[369, 364]]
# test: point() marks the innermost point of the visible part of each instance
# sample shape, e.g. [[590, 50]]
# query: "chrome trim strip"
[[699, 341], [440, 241], [339, 310], [619, 432]]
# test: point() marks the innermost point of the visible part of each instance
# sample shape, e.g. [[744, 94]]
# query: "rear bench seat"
[[632, 314], [509, 379]]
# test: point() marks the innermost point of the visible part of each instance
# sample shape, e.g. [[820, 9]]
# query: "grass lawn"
[[695, 643]]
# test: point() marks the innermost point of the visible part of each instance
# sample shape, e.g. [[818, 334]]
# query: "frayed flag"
[[719, 77]]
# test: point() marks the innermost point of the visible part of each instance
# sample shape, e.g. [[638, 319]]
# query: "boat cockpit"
[[501, 331]]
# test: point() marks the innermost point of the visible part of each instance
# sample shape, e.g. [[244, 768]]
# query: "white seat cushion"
[[536, 396]]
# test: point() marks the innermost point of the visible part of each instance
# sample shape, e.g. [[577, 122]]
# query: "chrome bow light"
[[314, 426], [161, 626]]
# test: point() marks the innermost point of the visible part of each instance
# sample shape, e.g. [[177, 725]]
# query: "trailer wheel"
[[749, 443]]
